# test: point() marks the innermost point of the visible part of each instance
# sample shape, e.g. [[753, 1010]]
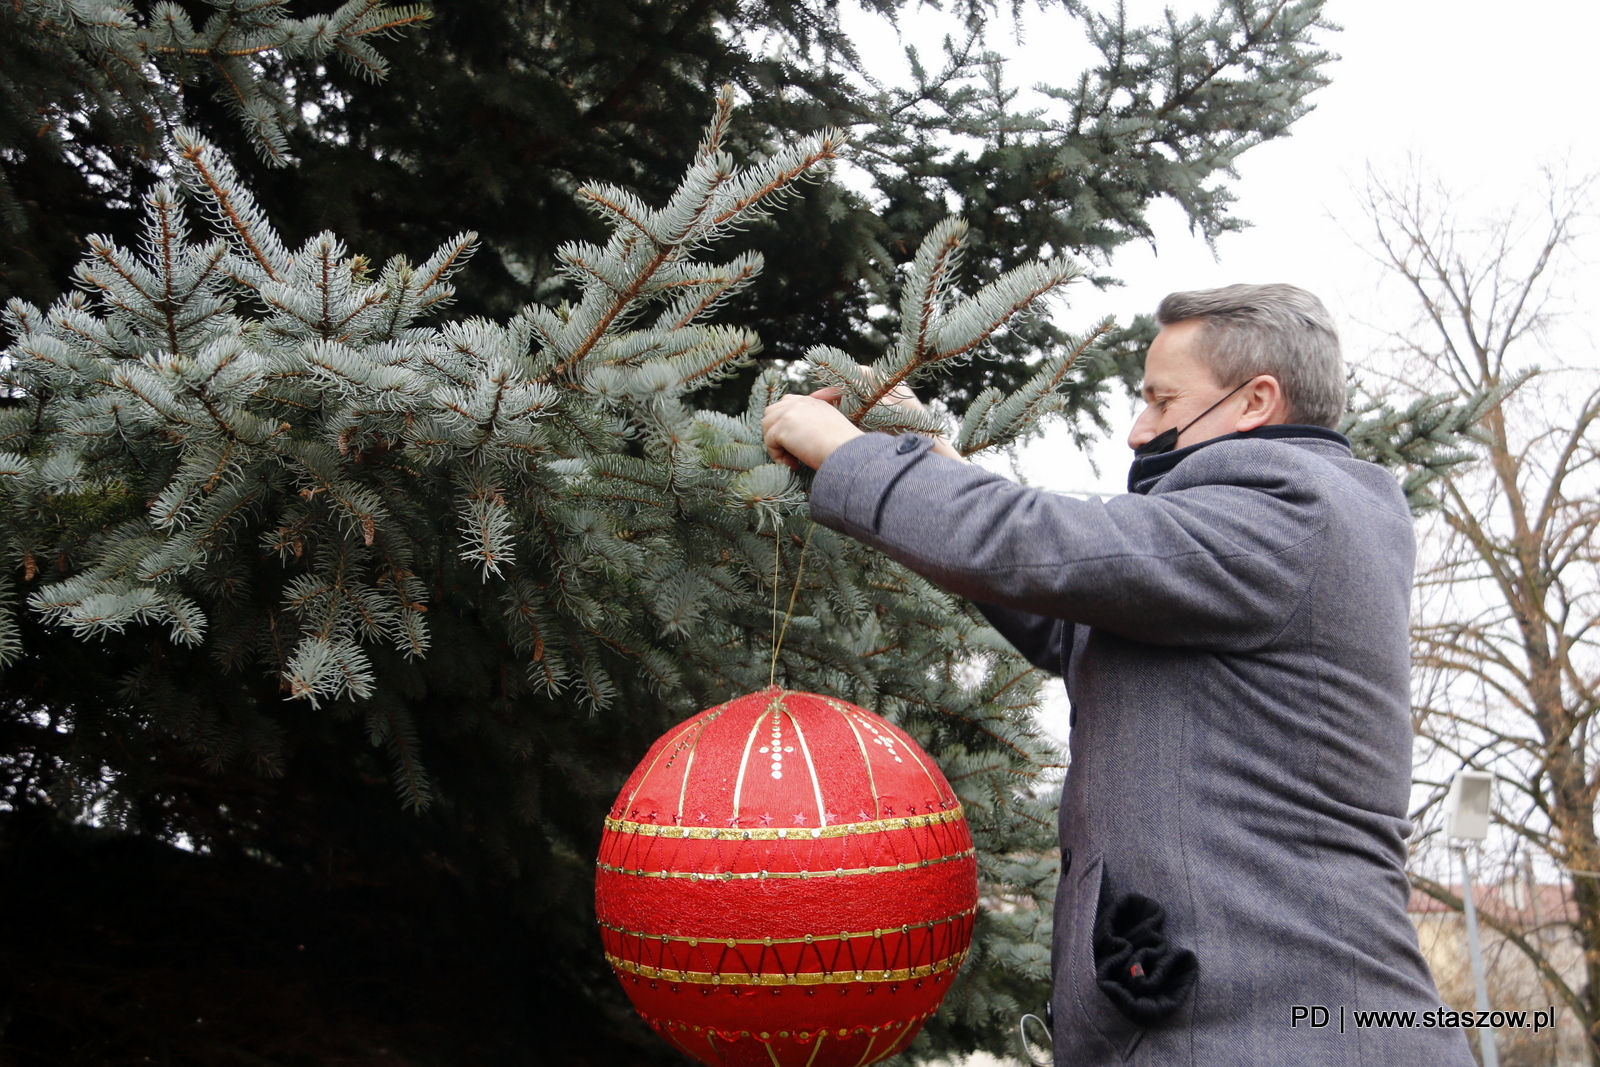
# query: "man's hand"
[[900, 396], [804, 429], [819, 435]]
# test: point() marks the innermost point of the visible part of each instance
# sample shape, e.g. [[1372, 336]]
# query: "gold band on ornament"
[[783, 833], [730, 942], [672, 974], [734, 876], [857, 1030]]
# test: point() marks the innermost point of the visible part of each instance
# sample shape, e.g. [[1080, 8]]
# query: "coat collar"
[[1146, 471]]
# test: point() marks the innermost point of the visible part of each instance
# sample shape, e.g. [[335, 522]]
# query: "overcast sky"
[[1482, 95]]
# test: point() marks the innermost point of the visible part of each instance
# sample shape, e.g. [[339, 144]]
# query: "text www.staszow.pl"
[[1316, 1016]]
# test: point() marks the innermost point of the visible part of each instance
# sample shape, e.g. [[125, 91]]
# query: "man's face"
[[1178, 387]]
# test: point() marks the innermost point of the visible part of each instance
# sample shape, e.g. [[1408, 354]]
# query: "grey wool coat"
[[1233, 634]]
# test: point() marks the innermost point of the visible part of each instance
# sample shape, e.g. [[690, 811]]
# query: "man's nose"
[[1143, 429]]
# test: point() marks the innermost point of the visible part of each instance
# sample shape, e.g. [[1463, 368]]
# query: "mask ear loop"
[[1167, 439], [1040, 1055]]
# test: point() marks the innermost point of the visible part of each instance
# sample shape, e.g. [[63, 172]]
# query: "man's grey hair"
[[1268, 329]]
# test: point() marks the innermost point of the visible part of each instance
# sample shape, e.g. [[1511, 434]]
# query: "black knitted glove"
[[1145, 977]]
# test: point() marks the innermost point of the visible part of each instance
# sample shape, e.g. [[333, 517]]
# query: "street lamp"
[[1466, 818]]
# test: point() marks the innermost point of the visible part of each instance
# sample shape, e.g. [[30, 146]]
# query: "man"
[[1233, 634]]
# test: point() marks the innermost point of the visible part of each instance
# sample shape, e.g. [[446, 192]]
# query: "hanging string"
[[799, 572], [777, 560]]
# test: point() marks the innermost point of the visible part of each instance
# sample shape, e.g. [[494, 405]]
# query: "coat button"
[[908, 443]]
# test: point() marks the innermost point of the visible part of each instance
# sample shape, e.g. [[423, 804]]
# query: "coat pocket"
[[1100, 1021]]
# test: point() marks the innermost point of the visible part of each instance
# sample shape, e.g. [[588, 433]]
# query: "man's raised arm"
[[1217, 566]]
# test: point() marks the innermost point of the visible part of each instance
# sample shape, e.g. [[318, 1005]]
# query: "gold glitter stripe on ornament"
[[867, 1057], [811, 766], [904, 928], [677, 739], [672, 974], [744, 760], [867, 1052], [858, 1030], [910, 751], [733, 876], [783, 833], [688, 764], [866, 760], [698, 724]]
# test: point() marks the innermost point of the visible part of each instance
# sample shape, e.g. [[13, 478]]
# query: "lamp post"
[[1466, 818]]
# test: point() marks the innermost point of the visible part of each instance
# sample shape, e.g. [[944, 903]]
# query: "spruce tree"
[[374, 607], [278, 495]]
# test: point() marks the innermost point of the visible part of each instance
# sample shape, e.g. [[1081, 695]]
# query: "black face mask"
[[1167, 439]]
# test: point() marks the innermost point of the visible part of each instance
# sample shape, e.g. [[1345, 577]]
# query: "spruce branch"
[[208, 174], [936, 327], [639, 261], [995, 420]]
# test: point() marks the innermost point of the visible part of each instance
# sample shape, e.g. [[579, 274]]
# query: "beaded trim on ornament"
[[837, 872], [808, 939], [782, 833], [672, 974]]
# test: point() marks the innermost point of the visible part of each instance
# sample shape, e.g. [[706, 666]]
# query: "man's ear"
[[1264, 404]]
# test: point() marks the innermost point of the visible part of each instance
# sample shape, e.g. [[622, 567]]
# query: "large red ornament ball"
[[786, 881]]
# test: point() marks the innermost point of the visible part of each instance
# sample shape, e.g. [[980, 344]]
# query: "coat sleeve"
[[1218, 561], [1041, 640]]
